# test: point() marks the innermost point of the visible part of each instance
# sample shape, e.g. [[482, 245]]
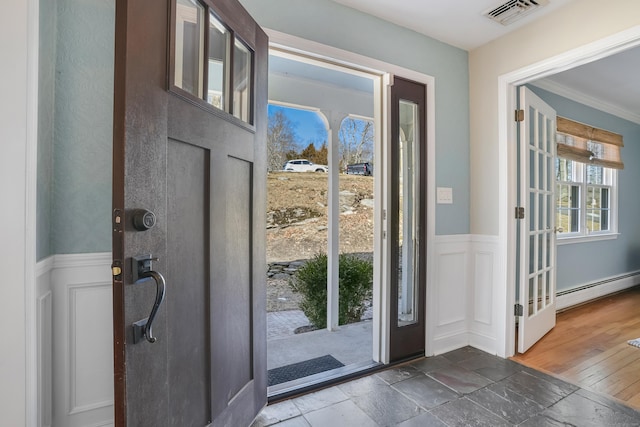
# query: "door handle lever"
[[142, 328]]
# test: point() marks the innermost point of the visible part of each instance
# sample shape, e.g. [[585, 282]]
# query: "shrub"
[[355, 280]]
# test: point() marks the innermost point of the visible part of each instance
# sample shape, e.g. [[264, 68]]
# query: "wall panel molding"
[[447, 303], [87, 348], [44, 342], [76, 368], [461, 294]]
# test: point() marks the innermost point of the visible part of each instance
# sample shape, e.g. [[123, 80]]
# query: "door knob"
[[143, 219]]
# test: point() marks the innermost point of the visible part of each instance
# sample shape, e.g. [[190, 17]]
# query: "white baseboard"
[[445, 343], [582, 294]]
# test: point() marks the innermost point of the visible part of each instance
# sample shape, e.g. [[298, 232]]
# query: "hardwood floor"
[[588, 347]]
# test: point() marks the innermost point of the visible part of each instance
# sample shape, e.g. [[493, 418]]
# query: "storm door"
[[407, 219]]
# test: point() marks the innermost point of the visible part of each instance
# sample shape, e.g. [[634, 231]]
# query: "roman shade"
[[587, 144]]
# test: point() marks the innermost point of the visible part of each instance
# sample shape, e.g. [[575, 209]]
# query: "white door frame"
[[19, 166], [386, 71], [507, 160]]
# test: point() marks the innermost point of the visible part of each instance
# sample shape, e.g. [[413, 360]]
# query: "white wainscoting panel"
[[447, 303], [482, 293], [79, 329], [89, 308], [461, 294]]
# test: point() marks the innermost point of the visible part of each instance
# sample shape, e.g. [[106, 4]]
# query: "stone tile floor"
[[465, 387]]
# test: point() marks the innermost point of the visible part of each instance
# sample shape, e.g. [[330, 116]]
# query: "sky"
[[308, 125]]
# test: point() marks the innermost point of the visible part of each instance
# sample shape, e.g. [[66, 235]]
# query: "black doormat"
[[302, 369]]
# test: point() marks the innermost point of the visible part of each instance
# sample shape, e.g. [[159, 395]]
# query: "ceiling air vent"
[[513, 10]]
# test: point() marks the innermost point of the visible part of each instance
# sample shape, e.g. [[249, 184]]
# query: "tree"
[[309, 153], [314, 155], [322, 155], [356, 141], [281, 140]]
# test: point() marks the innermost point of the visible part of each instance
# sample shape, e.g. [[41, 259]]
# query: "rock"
[[347, 200], [367, 202], [284, 276], [297, 263], [303, 329]]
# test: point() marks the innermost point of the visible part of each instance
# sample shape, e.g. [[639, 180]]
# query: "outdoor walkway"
[[282, 324], [465, 387], [349, 344]]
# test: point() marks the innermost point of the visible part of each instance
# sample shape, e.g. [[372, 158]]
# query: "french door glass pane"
[[218, 47], [189, 46], [540, 289], [532, 253], [408, 215], [531, 307], [542, 176], [548, 289]]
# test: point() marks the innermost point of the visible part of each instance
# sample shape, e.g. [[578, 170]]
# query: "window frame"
[[583, 234], [235, 35]]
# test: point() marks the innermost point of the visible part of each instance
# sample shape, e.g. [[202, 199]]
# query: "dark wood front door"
[[408, 219], [189, 189]]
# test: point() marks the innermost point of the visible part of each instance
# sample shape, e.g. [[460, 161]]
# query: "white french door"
[[537, 246]]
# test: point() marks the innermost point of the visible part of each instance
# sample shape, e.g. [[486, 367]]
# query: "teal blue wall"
[[584, 263], [83, 107], [335, 25], [74, 171]]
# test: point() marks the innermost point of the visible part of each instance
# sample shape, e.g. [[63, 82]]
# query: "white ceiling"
[[459, 23], [610, 84]]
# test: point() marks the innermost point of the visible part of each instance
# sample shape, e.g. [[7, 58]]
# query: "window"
[[210, 62], [583, 198], [586, 179]]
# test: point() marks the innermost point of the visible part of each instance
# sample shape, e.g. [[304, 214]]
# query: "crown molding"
[[587, 100]]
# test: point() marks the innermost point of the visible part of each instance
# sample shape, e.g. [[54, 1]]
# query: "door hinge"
[[519, 115], [519, 212], [518, 310]]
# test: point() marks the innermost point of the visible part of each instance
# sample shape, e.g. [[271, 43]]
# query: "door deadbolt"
[[143, 219]]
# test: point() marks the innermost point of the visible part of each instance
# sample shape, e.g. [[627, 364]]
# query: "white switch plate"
[[444, 195]]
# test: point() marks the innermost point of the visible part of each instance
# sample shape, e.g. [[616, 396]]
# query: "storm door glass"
[[408, 214]]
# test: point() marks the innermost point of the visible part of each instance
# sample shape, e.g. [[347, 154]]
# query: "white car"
[[303, 165]]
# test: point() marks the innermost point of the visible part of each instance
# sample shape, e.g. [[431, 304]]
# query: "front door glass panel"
[[189, 46], [408, 213], [218, 43], [242, 82]]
